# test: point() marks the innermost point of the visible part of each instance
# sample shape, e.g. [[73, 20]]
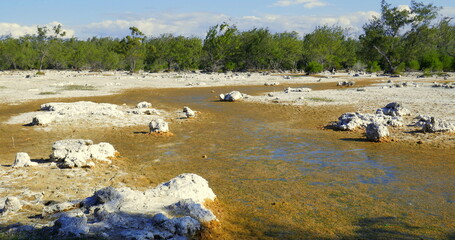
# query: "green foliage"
[[413, 65], [325, 45], [388, 41], [396, 36], [447, 63], [374, 67], [400, 68], [173, 53], [431, 62], [133, 49], [313, 67], [221, 44]]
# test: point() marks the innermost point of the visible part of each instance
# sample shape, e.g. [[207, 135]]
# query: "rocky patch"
[[158, 126], [76, 152], [23, 160], [232, 96]]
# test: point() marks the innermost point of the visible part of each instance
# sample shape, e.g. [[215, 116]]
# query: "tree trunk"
[[41, 62], [392, 68]]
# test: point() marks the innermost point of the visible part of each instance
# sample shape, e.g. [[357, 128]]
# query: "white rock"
[[144, 105], [12, 205], [351, 121], [271, 84], [43, 119], [102, 151], [144, 111], [172, 210], [289, 90], [158, 126], [394, 109], [71, 226], [431, 124], [188, 112], [23, 160], [346, 83], [232, 96], [376, 132], [76, 152], [83, 108]]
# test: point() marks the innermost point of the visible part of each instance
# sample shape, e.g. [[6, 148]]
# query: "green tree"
[[220, 46], [174, 52], [10, 53], [313, 67], [288, 51], [133, 48], [394, 36], [325, 45], [257, 48], [45, 39]]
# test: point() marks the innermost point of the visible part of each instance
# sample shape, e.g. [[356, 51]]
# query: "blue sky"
[[86, 18]]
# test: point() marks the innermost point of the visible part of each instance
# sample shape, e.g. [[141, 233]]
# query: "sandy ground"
[[17, 87], [421, 98]]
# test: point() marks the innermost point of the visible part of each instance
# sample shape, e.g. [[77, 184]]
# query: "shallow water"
[[281, 178], [277, 176]]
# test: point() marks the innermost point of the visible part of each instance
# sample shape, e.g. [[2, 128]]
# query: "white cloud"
[[448, 11], [180, 24], [306, 24], [197, 24], [306, 3], [402, 8], [16, 30]]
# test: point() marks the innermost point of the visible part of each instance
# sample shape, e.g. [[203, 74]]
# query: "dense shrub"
[[313, 67]]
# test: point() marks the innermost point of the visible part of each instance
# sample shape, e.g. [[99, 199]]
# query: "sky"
[[112, 18]]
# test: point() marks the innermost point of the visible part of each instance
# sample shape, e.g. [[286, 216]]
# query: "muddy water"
[[277, 175]]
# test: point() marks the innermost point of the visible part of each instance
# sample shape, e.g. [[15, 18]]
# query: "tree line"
[[396, 41]]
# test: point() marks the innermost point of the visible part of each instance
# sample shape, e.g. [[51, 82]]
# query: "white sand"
[[439, 102], [421, 100]]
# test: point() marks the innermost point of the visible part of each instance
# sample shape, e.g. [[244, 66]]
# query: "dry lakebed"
[[114, 155]]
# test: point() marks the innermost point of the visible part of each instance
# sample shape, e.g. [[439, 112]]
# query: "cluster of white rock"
[[346, 83], [352, 121], [90, 111], [76, 152], [444, 85], [232, 96], [59, 109], [271, 84], [302, 89], [374, 124], [144, 108], [390, 115], [431, 124], [172, 210]]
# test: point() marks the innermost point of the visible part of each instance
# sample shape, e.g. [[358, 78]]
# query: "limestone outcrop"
[[172, 210], [76, 152]]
